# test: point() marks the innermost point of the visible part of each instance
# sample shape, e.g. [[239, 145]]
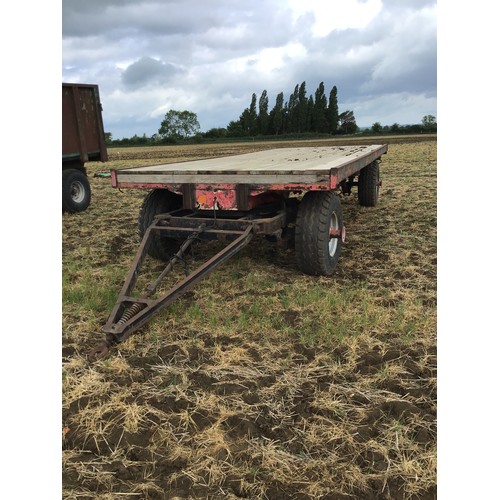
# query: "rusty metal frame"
[[131, 313], [222, 223]]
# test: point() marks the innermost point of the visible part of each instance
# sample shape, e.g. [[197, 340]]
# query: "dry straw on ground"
[[261, 383]]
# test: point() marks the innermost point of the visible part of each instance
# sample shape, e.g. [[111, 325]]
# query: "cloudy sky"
[[150, 56]]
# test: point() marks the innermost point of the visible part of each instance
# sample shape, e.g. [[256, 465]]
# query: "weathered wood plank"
[[220, 178], [297, 165]]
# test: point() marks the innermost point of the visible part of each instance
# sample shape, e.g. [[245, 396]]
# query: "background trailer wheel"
[[75, 191], [368, 185], [319, 233], [159, 201]]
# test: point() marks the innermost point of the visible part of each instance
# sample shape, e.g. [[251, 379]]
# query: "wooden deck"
[[307, 165]]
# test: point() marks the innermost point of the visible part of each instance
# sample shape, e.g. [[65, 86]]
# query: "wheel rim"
[[77, 192], [334, 241]]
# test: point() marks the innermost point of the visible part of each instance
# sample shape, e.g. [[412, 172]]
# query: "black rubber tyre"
[[368, 185], [159, 201], [75, 191], [316, 251]]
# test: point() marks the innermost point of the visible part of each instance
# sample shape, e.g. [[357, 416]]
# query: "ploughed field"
[[261, 382]]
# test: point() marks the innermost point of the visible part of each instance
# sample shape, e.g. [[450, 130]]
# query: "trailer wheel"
[[368, 185], [319, 233], [75, 191], [159, 201]]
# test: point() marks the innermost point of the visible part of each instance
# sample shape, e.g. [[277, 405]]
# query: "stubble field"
[[261, 382]]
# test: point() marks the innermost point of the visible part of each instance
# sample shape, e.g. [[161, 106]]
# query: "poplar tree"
[[286, 118], [293, 105], [263, 118], [248, 119], [302, 109], [319, 120], [276, 115], [333, 112], [310, 112]]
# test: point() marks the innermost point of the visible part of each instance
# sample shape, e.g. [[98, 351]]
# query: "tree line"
[[427, 126], [300, 115]]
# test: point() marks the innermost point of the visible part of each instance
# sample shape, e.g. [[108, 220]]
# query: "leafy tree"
[[395, 128], [179, 125], [108, 138], [429, 123], [215, 133], [347, 123], [377, 128], [235, 129], [135, 140]]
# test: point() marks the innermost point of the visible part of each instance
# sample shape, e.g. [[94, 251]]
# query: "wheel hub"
[[334, 235], [77, 192]]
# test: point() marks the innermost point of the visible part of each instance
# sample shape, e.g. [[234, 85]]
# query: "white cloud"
[[269, 59], [332, 15]]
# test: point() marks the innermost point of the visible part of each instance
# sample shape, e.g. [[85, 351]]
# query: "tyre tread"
[[312, 233], [156, 202], [368, 185], [70, 175]]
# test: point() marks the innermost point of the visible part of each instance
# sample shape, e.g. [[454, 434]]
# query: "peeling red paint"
[[217, 198], [334, 181], [224, 196]]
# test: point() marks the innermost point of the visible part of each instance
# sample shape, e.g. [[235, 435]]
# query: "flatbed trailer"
[[288, 194]]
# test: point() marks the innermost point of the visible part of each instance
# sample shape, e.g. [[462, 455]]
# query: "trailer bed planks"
[[321, 167]]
